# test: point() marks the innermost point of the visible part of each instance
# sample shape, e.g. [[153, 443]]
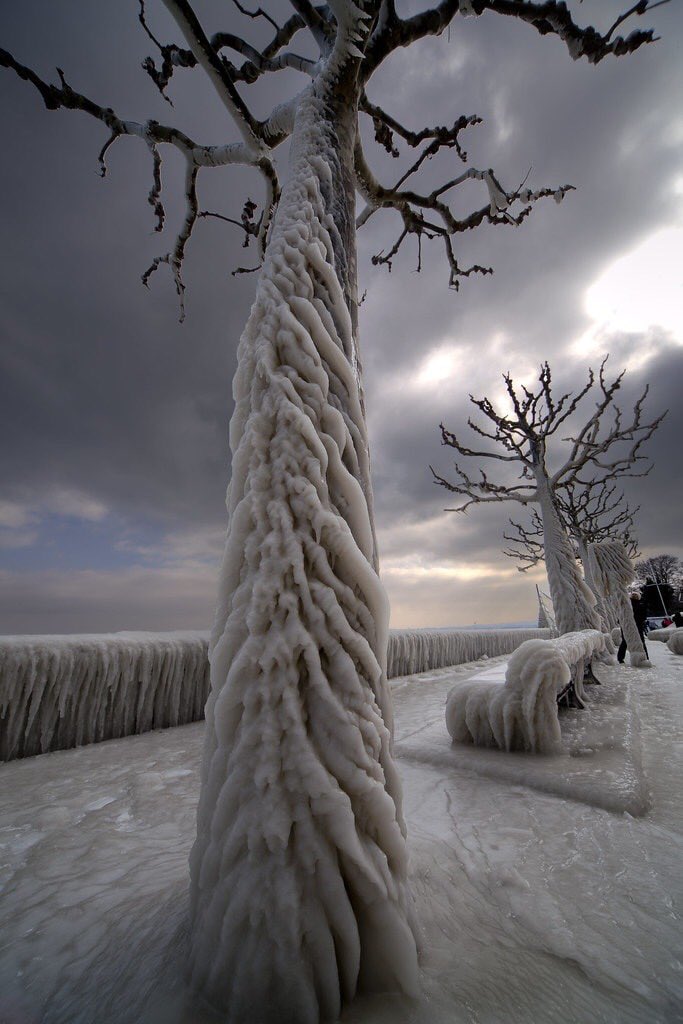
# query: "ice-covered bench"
[[661, 634], [520, 713], [675, 641]]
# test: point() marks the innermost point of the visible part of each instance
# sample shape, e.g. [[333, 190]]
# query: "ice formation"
[[299, 891], [612, 571], [605, 607], [543, 622], [675, 642], [661, 634], [573, 601], [419, 650], [65, 691], [58, 692], [521, 713]]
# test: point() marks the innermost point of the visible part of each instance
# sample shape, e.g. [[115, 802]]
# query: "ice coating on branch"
[[467, 9], [65, 691], [521, 713], [352, 28], [298, 873], [675, 642], [612, 570], [542, 616]]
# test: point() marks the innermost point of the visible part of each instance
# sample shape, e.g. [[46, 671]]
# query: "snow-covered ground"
[[537, 904]]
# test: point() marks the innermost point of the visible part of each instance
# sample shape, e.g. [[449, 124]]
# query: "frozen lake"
[[548, 889]]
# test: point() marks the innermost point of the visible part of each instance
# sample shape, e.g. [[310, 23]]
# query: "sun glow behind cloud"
[[639, 293], [440, 365]]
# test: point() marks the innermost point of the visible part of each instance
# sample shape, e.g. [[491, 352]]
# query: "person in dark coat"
[[640, 615], [678, 619]]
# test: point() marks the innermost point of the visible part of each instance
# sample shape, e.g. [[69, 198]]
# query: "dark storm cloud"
[[106, 396]]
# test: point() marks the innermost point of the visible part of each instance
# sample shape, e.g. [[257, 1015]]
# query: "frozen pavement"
[[537, 904]]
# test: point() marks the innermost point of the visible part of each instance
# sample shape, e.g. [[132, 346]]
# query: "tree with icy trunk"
[[298, 874], [592, 512], [600, 449], [612, 571]]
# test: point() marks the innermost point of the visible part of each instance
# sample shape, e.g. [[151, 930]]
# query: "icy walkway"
[[535, 909]]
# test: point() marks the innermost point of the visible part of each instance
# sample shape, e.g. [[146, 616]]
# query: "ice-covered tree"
[[299, 879], [661, 578], [612, 572], [665, 570], [592, 512], [603, 448]]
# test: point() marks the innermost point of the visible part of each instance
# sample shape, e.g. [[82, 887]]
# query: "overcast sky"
[[114, 454]]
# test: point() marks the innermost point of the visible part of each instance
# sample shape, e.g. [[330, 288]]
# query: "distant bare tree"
[[592, 513], [666, 570], [604, 448]]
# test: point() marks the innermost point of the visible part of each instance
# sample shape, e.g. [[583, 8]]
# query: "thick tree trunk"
[[298, 874], [604, 608], [573, 601]]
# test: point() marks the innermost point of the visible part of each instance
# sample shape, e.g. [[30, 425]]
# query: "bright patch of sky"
[[440, 365], [413, 569], [639, 293]]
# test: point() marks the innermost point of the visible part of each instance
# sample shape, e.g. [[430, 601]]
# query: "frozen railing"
[[419, 650], [65, 691], [520, 712]]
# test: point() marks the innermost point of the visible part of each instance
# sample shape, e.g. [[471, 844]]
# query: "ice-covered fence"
[[520, 713], [64, 691], [419, 650]]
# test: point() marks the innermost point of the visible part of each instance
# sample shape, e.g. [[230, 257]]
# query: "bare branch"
[[320, 28], [550, 17], [445, 137], [247, 223], [174, 259], [527, 542], [591, 444], [411, 205], [152, 133], [208, 58]]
